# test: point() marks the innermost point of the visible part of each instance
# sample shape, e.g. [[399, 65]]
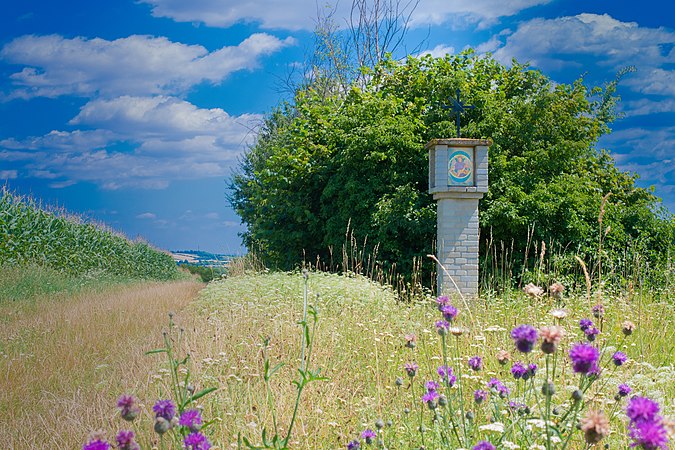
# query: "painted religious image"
[[460, 168]]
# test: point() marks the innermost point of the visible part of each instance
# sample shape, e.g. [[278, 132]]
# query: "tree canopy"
[[355, 160]]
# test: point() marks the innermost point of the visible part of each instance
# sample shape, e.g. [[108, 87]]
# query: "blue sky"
[[135, 113]]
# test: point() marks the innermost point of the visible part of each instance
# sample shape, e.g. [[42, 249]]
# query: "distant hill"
[[201, 258]]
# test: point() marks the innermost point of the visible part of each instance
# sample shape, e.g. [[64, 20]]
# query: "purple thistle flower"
[[411, 368], [518, 370], [649, 435], [624, 390], [128, 406], [125, 401], [368, 435], [442, 327], [584, 324], [449, 312], [642, 409], [598, 311], [196, 441], [479, 396], [532, 369], [354, 445], [96, 444], [431, 386], [591, 333], [125, 440], [165, 409], [192, 419], [484, 445], [525, 336], [499, 387], [476, 363], [517, 407], [619, 358], [446, 375], [584, 358], [442, 301], [430, 398]]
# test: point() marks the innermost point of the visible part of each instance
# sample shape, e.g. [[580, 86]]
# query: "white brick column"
[[458, 179]]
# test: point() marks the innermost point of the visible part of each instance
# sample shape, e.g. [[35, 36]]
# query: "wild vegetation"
[[256, 339], [31, 235]]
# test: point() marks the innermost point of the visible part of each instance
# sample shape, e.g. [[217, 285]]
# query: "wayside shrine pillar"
[[458, 178]]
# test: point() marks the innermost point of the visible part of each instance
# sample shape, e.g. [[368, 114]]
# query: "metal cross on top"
[[458, 108]]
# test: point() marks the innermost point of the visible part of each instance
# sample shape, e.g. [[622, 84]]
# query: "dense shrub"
[[356, 161]]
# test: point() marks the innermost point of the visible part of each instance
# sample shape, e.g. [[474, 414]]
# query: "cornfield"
[[33, 235]]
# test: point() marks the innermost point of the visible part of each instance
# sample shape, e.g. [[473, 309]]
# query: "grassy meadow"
[[359, 344]]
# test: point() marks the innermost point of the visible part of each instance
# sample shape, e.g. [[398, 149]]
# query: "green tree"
[[356, 160]]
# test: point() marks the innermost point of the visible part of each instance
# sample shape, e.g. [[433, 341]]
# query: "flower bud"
[[161, 425]]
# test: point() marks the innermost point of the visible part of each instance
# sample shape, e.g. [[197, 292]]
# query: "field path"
[[64, 363]]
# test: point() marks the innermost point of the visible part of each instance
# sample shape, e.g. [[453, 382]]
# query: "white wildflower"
[[497, 427]]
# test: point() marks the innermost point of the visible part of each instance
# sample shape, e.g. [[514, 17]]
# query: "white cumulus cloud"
[[302, 14], [137, 141], [549, 42], [135, 65]]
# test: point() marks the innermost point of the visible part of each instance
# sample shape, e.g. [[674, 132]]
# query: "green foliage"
[[30, 235], [356, 162], [29, 283], [205, 273]]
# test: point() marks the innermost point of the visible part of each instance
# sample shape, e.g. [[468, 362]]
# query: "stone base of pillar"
[[457, 222]]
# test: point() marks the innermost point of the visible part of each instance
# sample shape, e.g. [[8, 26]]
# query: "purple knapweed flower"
[[125, 440], [598, 311], [442, 301], [368, 435], [499, 387], [96, 444], [591, 333], [431, 385], [192, 419], [624, 390], [518, 370], [479, 396], [642, 409], [411, 368], [354, 445], [476, 363], [493, 382], [517, 407], [619, 358], [525, 336], [442, 327], [165, 409], [484, 445], [584, 324], [446, 375], [430, 398], [532, 369], [449, 312], [128, 406], [584, 358], [649, 435], [196, 441]]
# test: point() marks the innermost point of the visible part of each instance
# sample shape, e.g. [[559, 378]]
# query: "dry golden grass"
[[63, 364]]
